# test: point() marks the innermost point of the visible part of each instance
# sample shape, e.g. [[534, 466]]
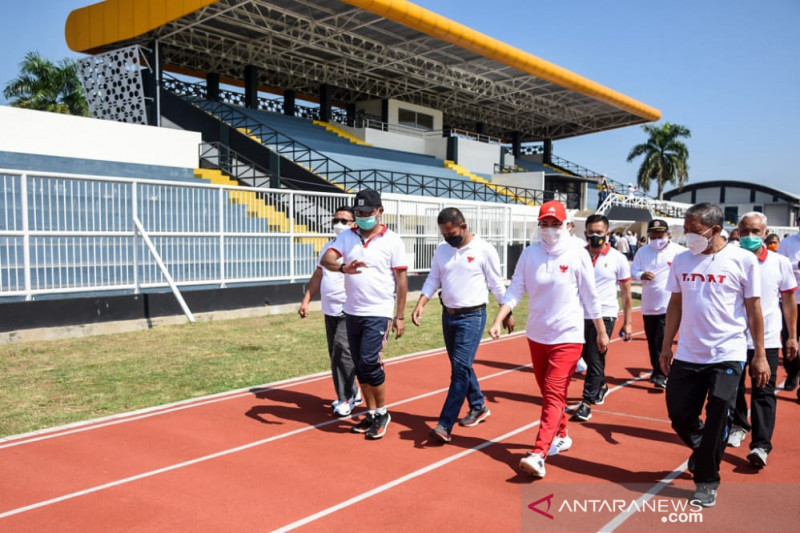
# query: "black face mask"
[[596, 241], [454, 240]]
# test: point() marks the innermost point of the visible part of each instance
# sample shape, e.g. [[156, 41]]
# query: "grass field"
[[51, 383]]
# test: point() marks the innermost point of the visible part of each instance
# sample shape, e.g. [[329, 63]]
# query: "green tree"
[[665, 156], [46, 86]]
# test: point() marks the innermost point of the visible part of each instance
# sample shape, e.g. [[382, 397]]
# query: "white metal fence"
[[65, 233]]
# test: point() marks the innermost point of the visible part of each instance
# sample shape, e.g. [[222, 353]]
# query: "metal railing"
[[657, 208], [64, 234], [246, 172]]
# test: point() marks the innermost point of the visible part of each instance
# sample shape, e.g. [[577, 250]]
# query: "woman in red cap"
[[559, 281]]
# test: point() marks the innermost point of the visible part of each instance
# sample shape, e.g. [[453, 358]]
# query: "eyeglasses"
[[341, 221]]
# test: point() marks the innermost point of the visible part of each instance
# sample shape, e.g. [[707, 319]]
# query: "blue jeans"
[[462, 336]]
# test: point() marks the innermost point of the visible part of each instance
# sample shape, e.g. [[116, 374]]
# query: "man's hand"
[[627, 332], [417, 314], [495, 330], [353, 267], [665, 360], [790, 351], [303, 311], [648, 276], [509, 323], [759, 369], [399, 327], [602, 341]]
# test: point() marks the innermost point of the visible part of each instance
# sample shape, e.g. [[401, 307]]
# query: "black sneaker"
[[705, 495], [583, 413], [440, 433], [660, 382], [475, 417], [791, 384], [379, 425], [601, 396], [365, 424]]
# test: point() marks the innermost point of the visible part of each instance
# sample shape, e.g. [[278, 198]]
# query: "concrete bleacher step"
[[257, 207], [496, 188], [341, 133]]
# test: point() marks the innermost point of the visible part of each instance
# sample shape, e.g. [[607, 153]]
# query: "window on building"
[[758, 208], [414, 119], [732, 214]]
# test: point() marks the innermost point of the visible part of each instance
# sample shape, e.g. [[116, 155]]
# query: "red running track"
[[275, 458]]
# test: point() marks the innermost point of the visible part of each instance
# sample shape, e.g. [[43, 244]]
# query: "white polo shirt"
[[713, 288], [371, 293], [610, 267], [558, 287], [776, 278], [790, 248], [655, 296], [464, 274], [331, 289]]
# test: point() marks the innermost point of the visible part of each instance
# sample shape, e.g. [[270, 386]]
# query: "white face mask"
[[659, 244], [697, 243], [550, 236], [338, 228]]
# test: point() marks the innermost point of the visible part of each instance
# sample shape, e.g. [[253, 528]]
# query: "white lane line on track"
[[223, 453], [113, 420], [647, 496], [424, 470]]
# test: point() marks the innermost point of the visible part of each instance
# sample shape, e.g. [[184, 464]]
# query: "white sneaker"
[[533, 464], [342, 409], [560, 444], [581, 366], [736, 436], [758, 457], [335, 403]]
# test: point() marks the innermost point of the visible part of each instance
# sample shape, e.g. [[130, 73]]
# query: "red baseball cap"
[[553, 208]]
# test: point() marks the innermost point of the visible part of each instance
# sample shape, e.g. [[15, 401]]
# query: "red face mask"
[[773, 246]]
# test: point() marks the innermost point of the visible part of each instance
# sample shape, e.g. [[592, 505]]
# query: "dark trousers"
[[342, 367], [654, 331], [792, 367], [595, 361], [763, 405], [687, 389]]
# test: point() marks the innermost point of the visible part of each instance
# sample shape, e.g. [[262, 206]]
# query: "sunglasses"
[[341, 221]]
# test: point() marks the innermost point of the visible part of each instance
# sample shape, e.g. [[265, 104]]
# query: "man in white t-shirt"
[[789, 247], [558, 278], [716, 290], [611, 270], [330, 286], [777, 291], [374, 261], [462, 267], [651, 266]]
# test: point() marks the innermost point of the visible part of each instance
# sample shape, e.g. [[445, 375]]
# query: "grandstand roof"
[[364, 49], [778, 194]]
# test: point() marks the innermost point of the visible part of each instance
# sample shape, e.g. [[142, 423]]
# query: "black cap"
[[658, 225], [367, 200]]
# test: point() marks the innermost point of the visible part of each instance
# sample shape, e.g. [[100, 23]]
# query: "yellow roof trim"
[[112, 21], [435, 25]]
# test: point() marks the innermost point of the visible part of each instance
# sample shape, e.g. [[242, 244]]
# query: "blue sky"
[[727, 70]]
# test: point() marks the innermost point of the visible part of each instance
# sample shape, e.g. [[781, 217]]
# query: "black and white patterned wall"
[[112, 82]]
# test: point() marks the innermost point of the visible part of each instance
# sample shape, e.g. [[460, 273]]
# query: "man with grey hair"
[[716, 291], [777, 290]]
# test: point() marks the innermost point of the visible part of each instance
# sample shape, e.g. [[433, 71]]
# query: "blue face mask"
[[366, 223], [751, 243]]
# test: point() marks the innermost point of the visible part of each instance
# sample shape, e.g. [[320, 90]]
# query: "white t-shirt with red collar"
[[464, 274], [610, 267], [559, 287], [776, 278], [371, 293], [655, 296], [713, 289], [331, 290]]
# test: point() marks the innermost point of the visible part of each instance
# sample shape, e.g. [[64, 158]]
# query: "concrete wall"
[[528, 180], [52, 134], [478, 156]]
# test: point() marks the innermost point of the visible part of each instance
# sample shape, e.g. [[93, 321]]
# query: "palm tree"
[[46, 86], [666, 157]]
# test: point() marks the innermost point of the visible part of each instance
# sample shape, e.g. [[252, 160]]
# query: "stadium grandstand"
[[225, 134]]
